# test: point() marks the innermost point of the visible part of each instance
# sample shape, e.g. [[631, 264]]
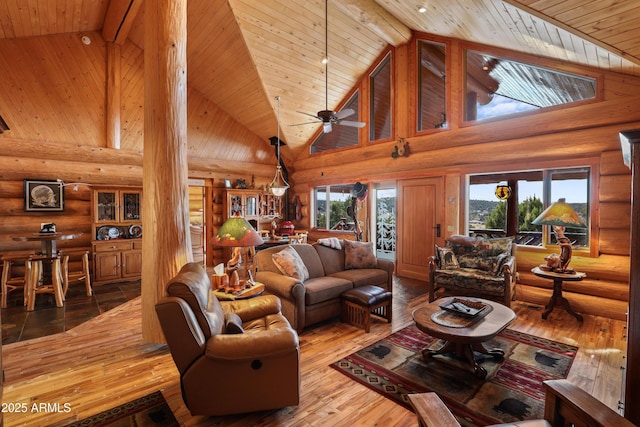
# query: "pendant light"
[[279, 185]]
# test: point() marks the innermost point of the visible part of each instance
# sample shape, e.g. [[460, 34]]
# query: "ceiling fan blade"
[[310, 115], [326, 127], [344, 113], [351, 123], [305, 123]]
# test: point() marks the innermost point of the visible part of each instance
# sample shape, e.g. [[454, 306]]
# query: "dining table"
[[48, 247], [47, 240]]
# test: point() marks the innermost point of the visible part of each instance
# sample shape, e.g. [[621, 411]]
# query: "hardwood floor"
[[104, 362]]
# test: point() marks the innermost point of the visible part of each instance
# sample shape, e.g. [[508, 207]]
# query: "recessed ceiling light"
[[422, 9]]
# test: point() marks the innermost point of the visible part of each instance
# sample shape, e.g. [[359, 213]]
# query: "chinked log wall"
[[567, 136], [21, 160]]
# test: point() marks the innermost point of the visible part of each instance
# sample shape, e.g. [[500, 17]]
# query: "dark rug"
[[151, 410], [512, 390]]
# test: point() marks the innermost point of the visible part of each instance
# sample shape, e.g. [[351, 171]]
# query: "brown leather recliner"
[[228, 364]]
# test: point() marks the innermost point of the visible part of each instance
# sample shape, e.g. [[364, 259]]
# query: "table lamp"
[[237, 233], [561, 215]]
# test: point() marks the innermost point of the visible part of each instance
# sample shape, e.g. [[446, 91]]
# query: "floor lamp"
[[237, 233]]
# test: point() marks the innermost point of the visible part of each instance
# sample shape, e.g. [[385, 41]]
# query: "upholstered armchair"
[[474, 266], [233, 356]]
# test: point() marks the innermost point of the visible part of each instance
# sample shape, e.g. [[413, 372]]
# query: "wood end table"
[[556, 297]]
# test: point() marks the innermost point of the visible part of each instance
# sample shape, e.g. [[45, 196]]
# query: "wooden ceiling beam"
[[119, 19], [372, 15]]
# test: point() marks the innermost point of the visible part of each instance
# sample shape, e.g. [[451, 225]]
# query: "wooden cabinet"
[[114, 261], [270, 207], [117, 234], [243, 203], [117, 206], [256, 207]]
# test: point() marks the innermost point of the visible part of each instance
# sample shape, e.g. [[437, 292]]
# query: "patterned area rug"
[[512, 390], [148, 411]]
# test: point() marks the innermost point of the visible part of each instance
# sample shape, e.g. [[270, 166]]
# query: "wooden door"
[[420, 214]]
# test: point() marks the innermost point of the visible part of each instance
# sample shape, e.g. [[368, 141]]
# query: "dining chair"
[[11, 280], [83, 274], [38, 283]]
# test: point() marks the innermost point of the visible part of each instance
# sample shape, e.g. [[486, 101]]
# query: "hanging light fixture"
[[279, 185]]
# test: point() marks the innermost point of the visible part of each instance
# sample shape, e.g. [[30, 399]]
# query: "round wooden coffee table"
[[467, 336]]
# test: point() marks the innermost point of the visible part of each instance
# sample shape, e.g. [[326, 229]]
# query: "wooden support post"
[[166, 242], [630, 140]]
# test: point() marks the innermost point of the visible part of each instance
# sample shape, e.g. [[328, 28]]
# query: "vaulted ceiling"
[[241, 54]]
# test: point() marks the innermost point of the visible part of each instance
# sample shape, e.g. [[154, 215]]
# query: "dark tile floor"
[[18, 324]]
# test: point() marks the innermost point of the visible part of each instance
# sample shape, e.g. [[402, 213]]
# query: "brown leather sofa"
[[233, 356], [305, 302]]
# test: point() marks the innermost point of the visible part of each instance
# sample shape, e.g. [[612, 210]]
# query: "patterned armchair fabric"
[[474, 266]]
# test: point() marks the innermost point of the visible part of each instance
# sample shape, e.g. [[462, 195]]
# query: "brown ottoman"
[[359, 303]]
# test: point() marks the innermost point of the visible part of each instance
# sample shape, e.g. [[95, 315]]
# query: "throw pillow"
[[290, 264], [359, 255], [232, 324], [499, 262], [448, 259]]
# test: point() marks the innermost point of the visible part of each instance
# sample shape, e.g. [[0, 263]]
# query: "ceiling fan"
[[327, 117]]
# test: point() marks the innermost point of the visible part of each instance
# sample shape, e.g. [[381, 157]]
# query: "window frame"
[[558, 66], [547, 167], [419, 92], [356, 92], [387, 56], [314, 207]]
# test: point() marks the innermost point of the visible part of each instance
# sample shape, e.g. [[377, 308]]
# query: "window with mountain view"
[[330, 207], [499, 87], [432, 79], [340, 136], [531, 192]]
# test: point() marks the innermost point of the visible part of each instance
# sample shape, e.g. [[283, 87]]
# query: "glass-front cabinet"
[[243, 203], [117, 234], [117, 206]]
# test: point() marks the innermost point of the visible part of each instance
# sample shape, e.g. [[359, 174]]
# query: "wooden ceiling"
[[244, 53]]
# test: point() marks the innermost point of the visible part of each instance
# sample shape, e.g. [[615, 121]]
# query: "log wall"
[[53, 97], [586, 133]]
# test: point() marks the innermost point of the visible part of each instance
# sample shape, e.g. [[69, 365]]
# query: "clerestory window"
[[498, 87], [340, 136], [432, 78]]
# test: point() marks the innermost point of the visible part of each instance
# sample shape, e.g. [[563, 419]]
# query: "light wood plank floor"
[[104, 362]]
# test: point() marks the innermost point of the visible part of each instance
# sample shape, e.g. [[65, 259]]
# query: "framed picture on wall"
[[227, 183], [43, 196]]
